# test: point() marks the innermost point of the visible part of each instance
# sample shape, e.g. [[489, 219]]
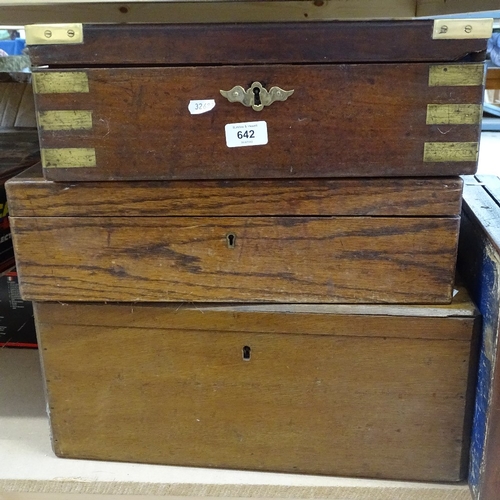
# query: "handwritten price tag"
[[201, 106]]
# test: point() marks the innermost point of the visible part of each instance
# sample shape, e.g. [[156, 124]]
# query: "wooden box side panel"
[[158, 259], [370, 407], [32, 196], [341, 121], [258, 43], [479, 263]]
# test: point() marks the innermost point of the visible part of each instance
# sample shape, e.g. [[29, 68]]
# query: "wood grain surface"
[[321, 404], [257, 43], [341, 121], [277, 259], [19, 12], [360, 320], [30, 195], [202, 12]]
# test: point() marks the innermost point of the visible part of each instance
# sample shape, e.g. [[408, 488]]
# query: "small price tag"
[[246, 134], [201, 106]]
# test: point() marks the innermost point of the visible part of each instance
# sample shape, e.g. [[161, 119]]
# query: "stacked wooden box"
[[245, 296]]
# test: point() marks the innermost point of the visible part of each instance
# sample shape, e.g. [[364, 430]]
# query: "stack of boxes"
[[268, 282]]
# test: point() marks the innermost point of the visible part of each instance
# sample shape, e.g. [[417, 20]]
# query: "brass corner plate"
[[457, 75], [456, 29], [454, 114], [68, 158], [51, 34], [450, 151], [65, 120], [60, 82]]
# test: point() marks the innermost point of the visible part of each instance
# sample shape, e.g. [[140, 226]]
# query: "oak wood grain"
[[30, 195], [342, 121], [277, 259], [257, 43], [320, 404]]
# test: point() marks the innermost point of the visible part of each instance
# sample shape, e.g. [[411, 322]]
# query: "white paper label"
[[246, 134], [201, 106]]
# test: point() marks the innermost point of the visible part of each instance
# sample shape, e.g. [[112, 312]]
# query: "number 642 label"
[[246, 134]]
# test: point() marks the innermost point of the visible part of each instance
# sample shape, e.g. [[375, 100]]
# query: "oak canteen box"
[[381, 391], [308, 241], [259, 100]]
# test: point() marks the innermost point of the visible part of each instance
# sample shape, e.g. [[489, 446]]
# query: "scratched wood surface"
[[369, 407], [479, 262], [277, 259], [342, 121], [30, 195], [260, 43]]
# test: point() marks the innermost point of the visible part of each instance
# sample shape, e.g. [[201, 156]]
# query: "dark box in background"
[[17, 326]]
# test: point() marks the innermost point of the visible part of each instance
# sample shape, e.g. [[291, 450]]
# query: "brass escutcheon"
[[256, 96]]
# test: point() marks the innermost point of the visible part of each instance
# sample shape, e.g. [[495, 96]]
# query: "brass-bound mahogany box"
[[259, 100]]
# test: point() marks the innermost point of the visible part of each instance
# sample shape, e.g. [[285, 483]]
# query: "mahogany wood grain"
[[30, 195], [276, 259], [341, 121], [332, 404], [257, 43]]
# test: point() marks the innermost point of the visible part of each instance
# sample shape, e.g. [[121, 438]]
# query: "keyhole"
[[256, 96], [246, 353], [231, 240]]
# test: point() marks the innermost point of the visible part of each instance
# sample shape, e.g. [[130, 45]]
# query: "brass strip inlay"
[[68, 158], [65, 120], [453, 114], [450, 151], [455, 29], [58, 82], [456, 75], [45, 34]]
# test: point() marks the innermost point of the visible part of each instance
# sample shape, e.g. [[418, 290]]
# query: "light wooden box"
[[354, 390]]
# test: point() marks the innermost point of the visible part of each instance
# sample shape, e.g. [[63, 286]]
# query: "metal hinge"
[[48, 34], [454, 29]]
